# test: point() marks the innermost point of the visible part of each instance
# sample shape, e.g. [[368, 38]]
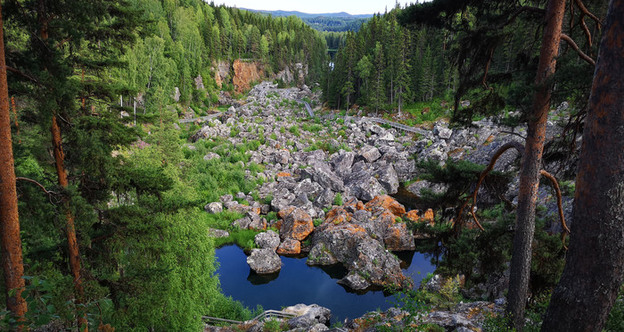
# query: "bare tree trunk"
[[12, 264], [595, 262], [531, 165]]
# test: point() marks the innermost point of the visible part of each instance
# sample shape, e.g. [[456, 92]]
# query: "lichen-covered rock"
[[289, 247], [351, 245], [321, 173], [217, 233], [388, 203], [342, 162], [296, 224], [399, 238], [369, 153], [264, 261], [214, 207], [267, 240], [354, 280], [388, 178], [364, 186], [308, 316]]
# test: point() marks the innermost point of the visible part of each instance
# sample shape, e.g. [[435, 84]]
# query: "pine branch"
[[46, 191], [555, 185], [585, 11], [575, 47], [513, 144]]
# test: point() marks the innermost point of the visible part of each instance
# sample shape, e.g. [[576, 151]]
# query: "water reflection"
[[300, 283]]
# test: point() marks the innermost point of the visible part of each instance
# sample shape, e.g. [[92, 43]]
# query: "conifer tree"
[[10, 238]]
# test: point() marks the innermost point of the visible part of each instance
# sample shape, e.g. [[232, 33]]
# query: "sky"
[[353, 7]]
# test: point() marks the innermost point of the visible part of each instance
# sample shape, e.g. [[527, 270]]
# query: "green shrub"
[[338, 199]]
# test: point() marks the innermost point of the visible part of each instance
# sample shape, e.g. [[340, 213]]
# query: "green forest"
[[134, 199], [102, 194]]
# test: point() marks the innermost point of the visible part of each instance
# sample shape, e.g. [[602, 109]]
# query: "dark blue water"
[[299, 283]]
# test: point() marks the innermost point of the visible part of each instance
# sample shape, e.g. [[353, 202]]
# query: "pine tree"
[[10, 238]]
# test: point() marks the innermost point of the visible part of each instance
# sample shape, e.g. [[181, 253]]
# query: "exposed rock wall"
[[245, 73]]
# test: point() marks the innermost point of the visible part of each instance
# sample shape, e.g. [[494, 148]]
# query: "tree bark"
[[531, 165], [12, 264], [70, 228], [595, 262]]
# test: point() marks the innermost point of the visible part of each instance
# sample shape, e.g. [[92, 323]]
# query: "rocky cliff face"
[[245, 73]]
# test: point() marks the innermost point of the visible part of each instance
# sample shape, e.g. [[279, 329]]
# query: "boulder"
[[321, 173], [435, 188], [342, 162], [257, 222], [369, 153], [442, 131], [388, 178], [399, 238], [354, 280], [211, 155], [351, 245], [308, 316], [388, 203], [363, 186], [289, 247], [264, 261], [310, 189], [214, 207], [267, 240], [325, 199], [296, 224], [217, 233]]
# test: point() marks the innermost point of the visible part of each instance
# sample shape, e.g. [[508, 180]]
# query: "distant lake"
[[300, 283]]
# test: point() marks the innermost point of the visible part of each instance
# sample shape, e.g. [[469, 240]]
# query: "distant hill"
[[324, 22]]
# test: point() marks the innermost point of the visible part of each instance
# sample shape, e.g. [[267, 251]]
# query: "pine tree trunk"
[[12, 264], [593, 272], [531, 165], [70, 228]]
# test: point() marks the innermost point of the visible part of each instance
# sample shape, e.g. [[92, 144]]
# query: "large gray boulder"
[[267, 240], [310, 189], [367, 260], [214, 207], [308, 316], [342, 162], [388, 178], [321, 173], [369, 153], [264, 261]]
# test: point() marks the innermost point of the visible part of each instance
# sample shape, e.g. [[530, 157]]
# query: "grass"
[[423, 112]]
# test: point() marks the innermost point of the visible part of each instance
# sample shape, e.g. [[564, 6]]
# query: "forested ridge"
[[110, 204]]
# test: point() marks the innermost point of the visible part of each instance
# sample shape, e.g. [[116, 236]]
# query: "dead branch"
[[585, 11], [20, 73], [521, 10], [555, 185], [513, 133], [487, 68], [46, 191], [575, 47], [585, 28], [513, 144]]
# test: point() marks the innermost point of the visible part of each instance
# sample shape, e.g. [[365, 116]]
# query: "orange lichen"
[[388, 203], [413, 216]]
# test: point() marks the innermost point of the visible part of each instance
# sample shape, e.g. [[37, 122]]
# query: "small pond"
[[300, 283]]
